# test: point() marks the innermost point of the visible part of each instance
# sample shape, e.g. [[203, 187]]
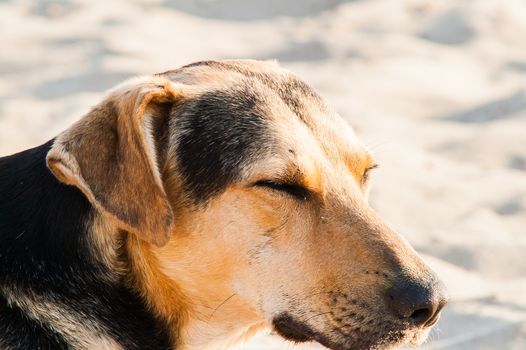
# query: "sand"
[[436, 88]]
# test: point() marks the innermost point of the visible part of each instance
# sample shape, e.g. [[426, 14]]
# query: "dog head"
[[246, 200]]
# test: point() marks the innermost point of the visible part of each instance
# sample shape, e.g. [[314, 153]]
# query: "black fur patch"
[[45, 249], [292, 329], [218, 132], [292, 90]]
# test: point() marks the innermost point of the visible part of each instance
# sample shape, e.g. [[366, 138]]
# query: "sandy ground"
[[436, 88]]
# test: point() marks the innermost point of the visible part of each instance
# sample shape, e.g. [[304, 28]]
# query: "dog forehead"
[[274, 85], [218, 132], [294, 92], [242, 113]]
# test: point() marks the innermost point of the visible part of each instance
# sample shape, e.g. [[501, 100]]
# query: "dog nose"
[[417, 302]]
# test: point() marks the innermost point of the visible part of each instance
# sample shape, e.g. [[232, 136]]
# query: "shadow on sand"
[[242, 10]]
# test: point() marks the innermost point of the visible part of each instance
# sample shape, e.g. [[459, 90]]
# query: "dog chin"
[[418, 338], [294, 330]]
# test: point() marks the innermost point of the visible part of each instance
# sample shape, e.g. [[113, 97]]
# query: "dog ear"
[[110, 155]]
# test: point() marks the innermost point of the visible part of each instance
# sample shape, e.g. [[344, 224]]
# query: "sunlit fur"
[[249, 253], [171, 165]]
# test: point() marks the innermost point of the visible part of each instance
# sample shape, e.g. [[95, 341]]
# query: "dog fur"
[[194, 208]]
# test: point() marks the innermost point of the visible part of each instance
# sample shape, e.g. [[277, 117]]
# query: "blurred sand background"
[[436, 88]]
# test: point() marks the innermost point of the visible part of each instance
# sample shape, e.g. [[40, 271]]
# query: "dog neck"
[[54, 278], [200, 314]]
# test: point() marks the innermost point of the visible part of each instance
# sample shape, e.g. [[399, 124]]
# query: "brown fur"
[[112, 163], [220, 271]]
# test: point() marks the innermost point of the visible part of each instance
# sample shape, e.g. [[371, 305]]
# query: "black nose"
[[419, 302]]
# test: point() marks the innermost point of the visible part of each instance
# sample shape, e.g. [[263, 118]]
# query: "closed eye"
[[294, 190], [365, 176]]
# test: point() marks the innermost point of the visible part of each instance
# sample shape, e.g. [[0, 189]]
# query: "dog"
[[194, 208]]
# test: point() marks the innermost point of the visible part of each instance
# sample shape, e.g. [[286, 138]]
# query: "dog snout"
[[419, 302]]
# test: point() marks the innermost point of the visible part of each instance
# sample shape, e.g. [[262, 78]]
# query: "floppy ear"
[[110, 155]]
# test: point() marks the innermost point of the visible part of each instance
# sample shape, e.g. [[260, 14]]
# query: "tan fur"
[[228, 267], [163, 296]]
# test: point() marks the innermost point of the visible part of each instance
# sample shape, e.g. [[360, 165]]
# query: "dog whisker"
[[317, 315], [221, 304]]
